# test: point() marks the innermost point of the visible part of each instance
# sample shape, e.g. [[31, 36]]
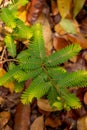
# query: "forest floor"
[[38, 115]]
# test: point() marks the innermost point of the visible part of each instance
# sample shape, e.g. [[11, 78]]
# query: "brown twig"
[[8, 60], [3, 52]]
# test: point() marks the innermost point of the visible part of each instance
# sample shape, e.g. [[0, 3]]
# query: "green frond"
[[8, 18], [23, 55], [8, 76], [19, 87], [37, 92], [71, 101], [52, 95], [37, 46], [11, 66], [21, 75], [56, 73], [74, 79], [58, 105], [37, 89], [22, 31], [11, 47], [31, 63], [63, 55]]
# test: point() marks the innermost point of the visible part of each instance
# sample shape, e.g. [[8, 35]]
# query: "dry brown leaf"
[[59, 29], [22, 117], [82, 123], [44, 105], [74, 59], [85, 98], [9, 85], [38, 124], [7, 128], [77, 39], [52, 122], [59, 42], [4, 118]]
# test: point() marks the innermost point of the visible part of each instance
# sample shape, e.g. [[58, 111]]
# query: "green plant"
[[48, 77]]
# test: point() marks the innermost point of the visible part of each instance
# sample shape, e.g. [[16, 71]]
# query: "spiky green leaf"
[[31, 63], [19, 86], [52, 95], [25, 75], [74, 79], [37, 89], [63, 55], [22, 31], [8, 76], [8, 18], [11, 47], [37, 47]]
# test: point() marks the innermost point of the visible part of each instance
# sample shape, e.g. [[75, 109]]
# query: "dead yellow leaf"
[[22, 15], [9, 85], [64, 7], [77, 6], [1, 1], [38, 124], [2, 72]]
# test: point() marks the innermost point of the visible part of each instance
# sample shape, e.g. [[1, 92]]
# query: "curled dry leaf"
[[44, 105], [22, 117], [38, 124], [4, 118], [82, 123]]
